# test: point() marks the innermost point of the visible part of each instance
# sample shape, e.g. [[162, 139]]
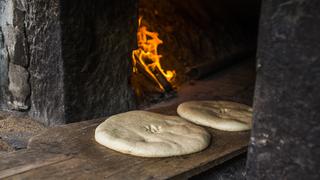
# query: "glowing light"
[[148, 57]]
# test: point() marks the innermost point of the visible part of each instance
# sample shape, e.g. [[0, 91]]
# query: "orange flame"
[[147, 54]]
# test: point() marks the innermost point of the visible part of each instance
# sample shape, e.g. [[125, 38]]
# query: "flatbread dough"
[[222, 115], [147, 134]]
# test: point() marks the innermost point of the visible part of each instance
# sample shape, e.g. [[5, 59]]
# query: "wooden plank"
[[46, 159], [70, 151]]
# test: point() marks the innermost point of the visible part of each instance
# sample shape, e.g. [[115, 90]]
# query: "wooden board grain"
[[70, 151]]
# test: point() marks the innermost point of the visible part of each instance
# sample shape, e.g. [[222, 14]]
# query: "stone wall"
[[3, 61], [43, 26], [15, 87], [98, 38], [286, 129], [65, 61]]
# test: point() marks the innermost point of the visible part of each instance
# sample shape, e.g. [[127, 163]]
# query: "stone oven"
[[63, 62], [56, 52]]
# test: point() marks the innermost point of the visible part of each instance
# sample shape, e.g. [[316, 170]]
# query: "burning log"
[[141, 69], [146, 59], [156, 77], [162, 80]]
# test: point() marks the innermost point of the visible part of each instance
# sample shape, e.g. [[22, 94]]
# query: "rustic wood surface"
[[70, 151]]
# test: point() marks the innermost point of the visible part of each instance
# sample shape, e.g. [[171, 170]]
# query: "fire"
[[147, 56]]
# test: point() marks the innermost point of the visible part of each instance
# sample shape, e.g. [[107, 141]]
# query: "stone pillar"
[[71, 59], [15, 87], [286, 130], [3, 61]]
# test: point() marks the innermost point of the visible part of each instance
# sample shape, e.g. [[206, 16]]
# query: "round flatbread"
[[147, 134], [222, 115]]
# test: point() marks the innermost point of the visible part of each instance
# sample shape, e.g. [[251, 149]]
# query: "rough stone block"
[[286, 129], [18, 86], [65, 61], [15, 83]]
